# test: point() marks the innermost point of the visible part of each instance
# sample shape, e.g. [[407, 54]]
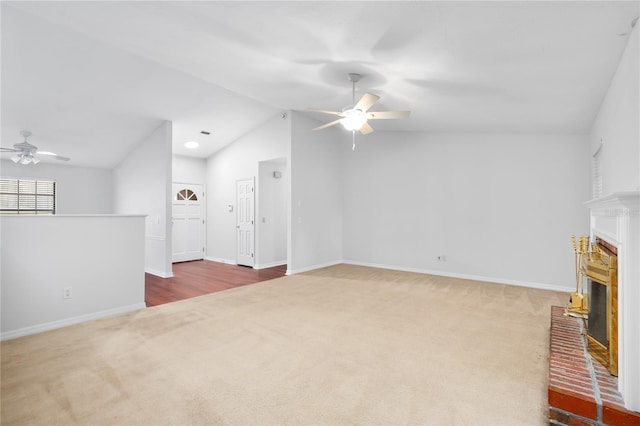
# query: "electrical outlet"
[[66, 293]]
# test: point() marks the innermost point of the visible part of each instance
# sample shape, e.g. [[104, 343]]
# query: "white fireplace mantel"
[[616, 219], [616, 203]]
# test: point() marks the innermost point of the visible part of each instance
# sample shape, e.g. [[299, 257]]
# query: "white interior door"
[[245, 221], [188, 222]]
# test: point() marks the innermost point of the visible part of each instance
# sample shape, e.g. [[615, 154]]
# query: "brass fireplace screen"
[[602, 322]]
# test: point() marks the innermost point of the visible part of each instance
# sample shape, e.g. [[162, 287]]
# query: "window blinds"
[[27, 196]]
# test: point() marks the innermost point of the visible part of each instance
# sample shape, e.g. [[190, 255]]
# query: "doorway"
[[271, 213], [187, 222]]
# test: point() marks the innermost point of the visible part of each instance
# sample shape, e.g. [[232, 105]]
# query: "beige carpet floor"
[[341, 345]]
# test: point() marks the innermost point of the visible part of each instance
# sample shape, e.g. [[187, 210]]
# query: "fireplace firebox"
[[602, 323]]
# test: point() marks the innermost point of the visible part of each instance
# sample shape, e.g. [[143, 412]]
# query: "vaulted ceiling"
[[91, 79]]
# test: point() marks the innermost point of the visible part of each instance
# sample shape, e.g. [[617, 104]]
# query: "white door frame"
[[245, 222], [197, 246]]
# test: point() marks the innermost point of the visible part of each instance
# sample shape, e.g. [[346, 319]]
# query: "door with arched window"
[[188, 222]]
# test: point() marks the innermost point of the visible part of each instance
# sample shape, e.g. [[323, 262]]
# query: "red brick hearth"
[[581, 390]]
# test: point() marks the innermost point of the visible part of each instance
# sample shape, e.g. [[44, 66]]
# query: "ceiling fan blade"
[[324, 111], [366, 129], [52, 155], [9, 150], [380, 115], [331, 123], [366, 101]]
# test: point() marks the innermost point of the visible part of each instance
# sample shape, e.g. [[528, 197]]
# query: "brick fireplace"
[[615, 218], [581, 389]]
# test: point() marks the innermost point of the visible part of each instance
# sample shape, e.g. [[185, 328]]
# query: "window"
[[186, 194], [596, 174], [27, 196]]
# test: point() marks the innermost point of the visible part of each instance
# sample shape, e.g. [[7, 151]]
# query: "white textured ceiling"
[[91, 79]]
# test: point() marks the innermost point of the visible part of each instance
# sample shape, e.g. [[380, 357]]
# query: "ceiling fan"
[[355, 117], [26, 152]]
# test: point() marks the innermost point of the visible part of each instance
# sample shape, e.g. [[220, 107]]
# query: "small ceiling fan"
[[355, 117], [26, 152]]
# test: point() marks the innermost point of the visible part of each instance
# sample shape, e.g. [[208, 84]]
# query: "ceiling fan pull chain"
[[353, 147]]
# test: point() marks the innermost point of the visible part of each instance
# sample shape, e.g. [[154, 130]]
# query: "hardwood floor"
[[200, 277]]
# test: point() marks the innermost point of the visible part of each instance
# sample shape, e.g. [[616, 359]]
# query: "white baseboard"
[[541, 286], [39, 328], [311, 268], [220, 260], [270, 264], [233, 262], [161, 274]]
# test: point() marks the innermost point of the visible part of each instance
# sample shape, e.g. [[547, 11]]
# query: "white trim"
[[608, 236], [270, 264], [254, 189], [70, 321], [204, 216], [189, 183], [161, 274], [616, 218], [311, 268], [233, 262], [541, 286], [220, 260], [613, 204], [529, 284]]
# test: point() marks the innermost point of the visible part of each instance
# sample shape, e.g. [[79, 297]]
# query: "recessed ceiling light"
[[191, 145]]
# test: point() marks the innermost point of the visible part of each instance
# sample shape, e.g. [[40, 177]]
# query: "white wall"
[[272, 223], [80, 190], [100, 257], [188, 169], [317, 180], [618, 124], [498, 207], [142, 185], [239, 161]]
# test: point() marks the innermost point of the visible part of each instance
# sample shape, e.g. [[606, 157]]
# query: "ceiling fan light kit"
[[356, 116], [353, 119], [24, 159], [26, 152]]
